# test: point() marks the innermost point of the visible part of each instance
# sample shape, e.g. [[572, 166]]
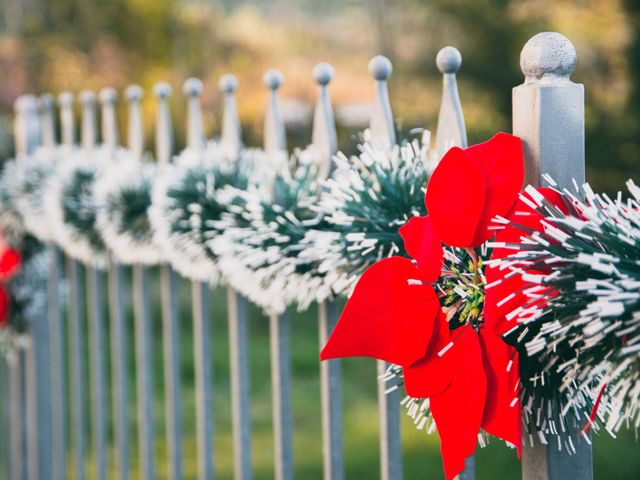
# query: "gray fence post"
[[169, 298], [275, 144], [383, 136], [200, 309], [108, 97], [548, 114], [75, 330], [141, 315], [56, 328], [231, 138], [451, 130], [324, 142]]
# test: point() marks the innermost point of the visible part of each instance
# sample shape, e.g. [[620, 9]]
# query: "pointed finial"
[[451, 130], [88, 132], [548, 57], [164, 132], [383, 133], [135, 132], [323, 136], [46, 105], [192, 88], [108, 97], [67, 123], [26, 124], [231, 134], [274, 131]]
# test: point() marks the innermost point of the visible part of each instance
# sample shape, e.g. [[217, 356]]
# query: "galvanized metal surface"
[[144, 371], [548, 114], [451, 130], [383, 132], [5, 425], [239, 360], [18, 418]]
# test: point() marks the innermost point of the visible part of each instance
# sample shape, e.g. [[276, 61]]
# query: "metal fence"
[[50, 377]]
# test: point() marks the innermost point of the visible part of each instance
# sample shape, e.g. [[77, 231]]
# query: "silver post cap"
[[133, 93], [380, 68], [228, 83], [272, 79], [548, 54], [162, 90], [25, 103], [192, 87], [87, 97], [108, 95], [65, 99], [323, 73], [449, 60]]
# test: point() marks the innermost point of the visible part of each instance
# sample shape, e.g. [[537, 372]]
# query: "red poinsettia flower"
[[394, 314], [10, 260]]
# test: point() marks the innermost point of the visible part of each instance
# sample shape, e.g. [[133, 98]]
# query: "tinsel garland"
[[366, 200], [582, 332], [124, 196], [186, 211], [263, 234], [72, 207]]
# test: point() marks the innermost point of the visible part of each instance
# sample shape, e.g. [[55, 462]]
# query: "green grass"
[[612, 458]]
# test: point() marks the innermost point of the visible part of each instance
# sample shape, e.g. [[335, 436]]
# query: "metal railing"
[[38, 392]]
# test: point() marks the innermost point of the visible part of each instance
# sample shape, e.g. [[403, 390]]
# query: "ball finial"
[[272, 79], [87, 97], [134, 93], [108, 95], [162, 90], [25, 103], [46, 101], [228, 83], [380, 67], [65, 99], [548, 54], [323, 73], [192, 87], [449, 60]]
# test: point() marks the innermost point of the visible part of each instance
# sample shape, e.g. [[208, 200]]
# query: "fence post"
[[383, 136], [200, 309], [324, 141], [119, 352], [169, 299], [231, 138], [275, 143], [56, 328], [451, 130], [548, 114], [75, 330], [95, 317]]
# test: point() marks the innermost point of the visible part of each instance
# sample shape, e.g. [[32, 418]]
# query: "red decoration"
[[394, 314], [10, 260]]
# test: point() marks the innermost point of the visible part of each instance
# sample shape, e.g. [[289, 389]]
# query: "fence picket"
[[548, 115], [200, 310], [17, 420], [275, 144], [168, 286], [325, 143], [383, 136], [231, 137]]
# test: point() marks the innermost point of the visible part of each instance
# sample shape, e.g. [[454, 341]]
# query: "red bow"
[[395, 315]]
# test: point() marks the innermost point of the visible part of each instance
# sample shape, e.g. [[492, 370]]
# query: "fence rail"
[[548, 116]]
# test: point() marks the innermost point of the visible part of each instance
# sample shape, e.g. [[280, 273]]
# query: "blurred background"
[[56, 45]]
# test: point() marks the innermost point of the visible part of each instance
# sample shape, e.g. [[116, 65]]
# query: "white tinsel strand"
[[123, 196], [262, 233], [185, 205], [71, 206], [589, 331]]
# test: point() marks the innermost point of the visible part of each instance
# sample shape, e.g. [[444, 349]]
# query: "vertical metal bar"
[[5, 427], [58, 372], [17, 418], [30, 395], [548, 114], [390, 440], [119, 357], [171, 341], [76, 360], [281, 396], [144, 366], [239, 360], [331, 398], [204, 397], [95, 281]]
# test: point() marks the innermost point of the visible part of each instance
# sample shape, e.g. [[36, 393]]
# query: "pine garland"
[[123, 195], [186, 211], [585, 340]]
